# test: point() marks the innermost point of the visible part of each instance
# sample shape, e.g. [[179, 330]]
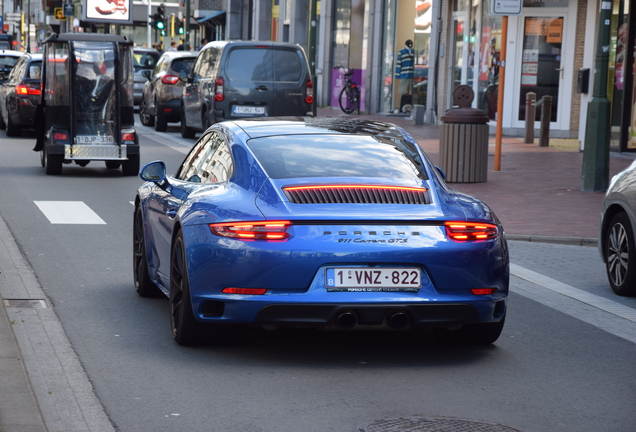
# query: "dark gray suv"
[[238, 79]]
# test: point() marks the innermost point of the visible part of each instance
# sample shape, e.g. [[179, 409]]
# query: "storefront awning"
[[212, 15]]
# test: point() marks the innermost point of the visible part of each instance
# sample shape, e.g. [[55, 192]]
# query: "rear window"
[[299, 156], [8, 61], [184, 65], [145, 59], [263, 64], [35, 70]]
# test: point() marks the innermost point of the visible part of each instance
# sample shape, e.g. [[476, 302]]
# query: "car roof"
[[88, 37], [221, 44], [180, 54], [11, 53], [261, 127]]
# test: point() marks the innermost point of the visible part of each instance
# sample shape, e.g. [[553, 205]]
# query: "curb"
[[571, 241]]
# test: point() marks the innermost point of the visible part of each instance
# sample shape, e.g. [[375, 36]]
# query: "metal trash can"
[[463, 144]]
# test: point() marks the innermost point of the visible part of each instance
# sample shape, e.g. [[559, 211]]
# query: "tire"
[[12, 129], [186, 132], [42, 159], [620, 255], [131, 166], [110, 164], [146, 119], [205, 120], [3, 125], [53, 163], [471, 334], [161, 122], [345, 104], [143, 285], [186, 330]]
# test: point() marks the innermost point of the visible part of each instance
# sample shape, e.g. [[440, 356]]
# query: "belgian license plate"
[[252, 110], [373, 279], [94, 139]]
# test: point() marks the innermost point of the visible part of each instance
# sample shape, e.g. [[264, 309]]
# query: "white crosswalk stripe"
[[69, 212]]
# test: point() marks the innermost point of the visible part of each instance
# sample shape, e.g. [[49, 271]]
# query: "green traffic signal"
[[160, 25], [180, 30]]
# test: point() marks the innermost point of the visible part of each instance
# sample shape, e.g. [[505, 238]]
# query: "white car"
[[8, 58], [616, 234]]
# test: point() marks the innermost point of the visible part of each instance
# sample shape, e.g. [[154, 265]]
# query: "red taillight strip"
[[470, 231], [406, 188], [261, 230], [483, 291], [245, 291]]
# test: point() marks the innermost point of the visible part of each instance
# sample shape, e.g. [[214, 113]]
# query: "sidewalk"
[[536, 194]]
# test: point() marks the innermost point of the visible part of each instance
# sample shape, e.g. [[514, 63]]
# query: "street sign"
[[13, 17], [59, 14], [507, 7], [69, 10]]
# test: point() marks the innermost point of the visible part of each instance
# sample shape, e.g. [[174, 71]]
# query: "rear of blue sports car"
[[354, 231]]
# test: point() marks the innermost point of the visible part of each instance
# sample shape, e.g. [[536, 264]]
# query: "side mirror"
[[183, 76], [146, 73], [441, 172], [154, 172]]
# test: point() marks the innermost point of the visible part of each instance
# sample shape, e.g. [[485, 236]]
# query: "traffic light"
[[181, 31], [159, 19]]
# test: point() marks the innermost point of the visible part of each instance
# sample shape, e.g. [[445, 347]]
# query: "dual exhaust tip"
[[397, 320]]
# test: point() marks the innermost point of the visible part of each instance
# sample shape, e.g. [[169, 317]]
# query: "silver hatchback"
[[617, 244]]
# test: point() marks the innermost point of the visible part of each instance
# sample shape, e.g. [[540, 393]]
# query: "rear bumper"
[[171, 110]]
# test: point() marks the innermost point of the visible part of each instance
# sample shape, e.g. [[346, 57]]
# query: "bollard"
[[531, 112], [417, 113], [546, 114]]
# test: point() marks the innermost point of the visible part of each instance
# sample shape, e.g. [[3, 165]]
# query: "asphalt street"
[[99, 358]]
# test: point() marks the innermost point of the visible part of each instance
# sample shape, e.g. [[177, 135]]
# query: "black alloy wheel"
[[143, 285], [186, 330], [620, 256], [146, 119]]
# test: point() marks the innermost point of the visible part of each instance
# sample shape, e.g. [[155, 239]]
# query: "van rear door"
[[290, 82], [249, 90]]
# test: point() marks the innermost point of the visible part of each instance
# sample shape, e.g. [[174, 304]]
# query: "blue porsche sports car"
[[314, 222]]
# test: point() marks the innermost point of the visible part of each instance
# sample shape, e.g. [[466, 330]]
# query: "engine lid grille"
[[356, 194]]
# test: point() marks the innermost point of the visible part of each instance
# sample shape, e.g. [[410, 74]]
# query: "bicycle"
[[350, 94]]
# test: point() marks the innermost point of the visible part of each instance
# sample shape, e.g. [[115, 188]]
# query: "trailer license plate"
[[373, 279], [94, 139], [251, 110]]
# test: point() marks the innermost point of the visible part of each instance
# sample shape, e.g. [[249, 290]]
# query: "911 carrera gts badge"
[[376, 236]]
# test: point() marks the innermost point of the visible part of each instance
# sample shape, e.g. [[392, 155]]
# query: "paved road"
[[563, 363]]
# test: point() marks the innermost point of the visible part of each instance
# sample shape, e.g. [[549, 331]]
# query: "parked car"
[[8, 59], [6, 41], [239, 79], [143, 59], [317, 223], [20, 95], [616, 235], [162, 92]]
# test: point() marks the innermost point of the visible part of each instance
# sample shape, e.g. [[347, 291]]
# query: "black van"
[[238, 79]]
